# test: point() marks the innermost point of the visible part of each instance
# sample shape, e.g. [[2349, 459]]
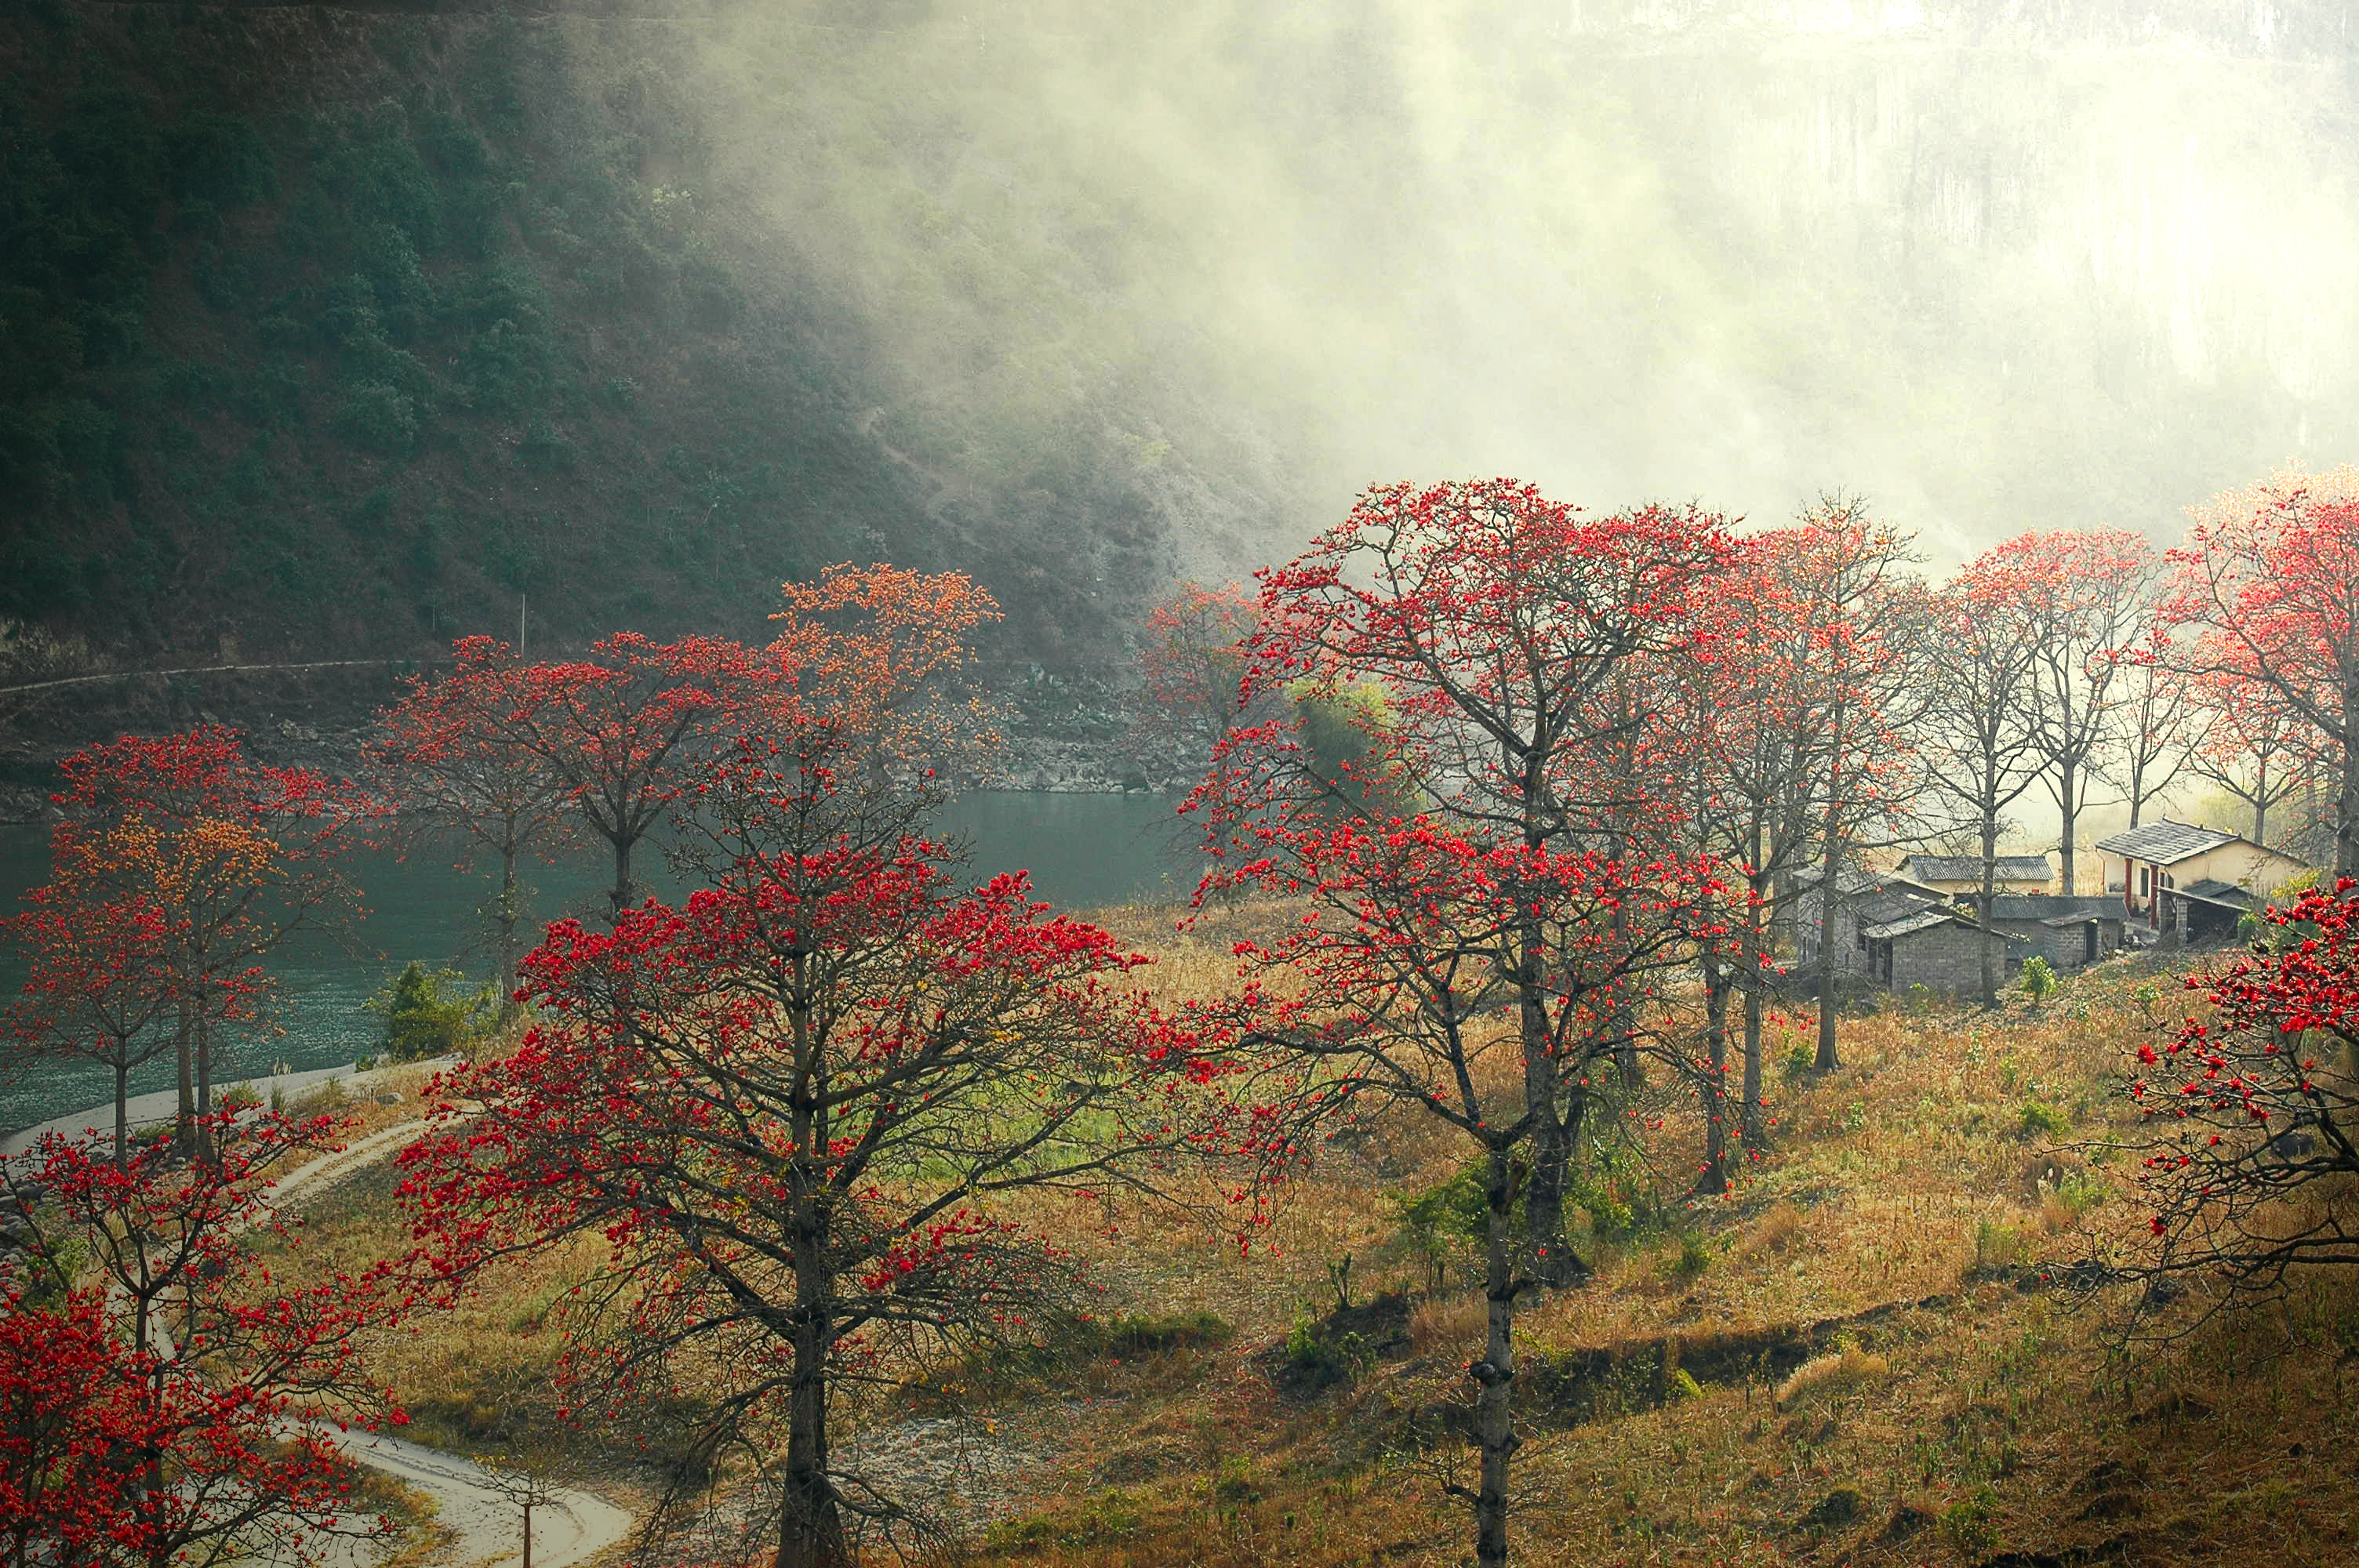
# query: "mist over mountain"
[[337, 329]]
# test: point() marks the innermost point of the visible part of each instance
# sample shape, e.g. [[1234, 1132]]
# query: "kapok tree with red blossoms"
[[98, 983], [1388, 992], [459, 766], [230, 856], [2271, 576], [885, 654], [2251, 1113], [623, 728], [1484, 640], [163, 1399], [1191, 661], [800, 1109]]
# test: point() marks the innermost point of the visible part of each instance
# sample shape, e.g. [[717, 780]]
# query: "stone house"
[[2192, 883], [1939, 949], [2070, 932], [1863, 900], [1954, 874]]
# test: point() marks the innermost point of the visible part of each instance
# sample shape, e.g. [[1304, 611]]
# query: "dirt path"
[[573, 1527]]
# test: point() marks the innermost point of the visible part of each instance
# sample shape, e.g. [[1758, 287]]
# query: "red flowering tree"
[[884, 652], [2254, 746], [1389, 990], [2252, 1112], [98, 986], [161, 1395], [2161, 722], [623, 728], [1859, 634], [1484, 643], [2271, 575], [2083, 600], [1191, 662], [1981, 726], [800, 1109], [229, 856], [459, 767]]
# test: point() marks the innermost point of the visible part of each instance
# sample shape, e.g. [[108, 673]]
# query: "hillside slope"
[[338, 331]]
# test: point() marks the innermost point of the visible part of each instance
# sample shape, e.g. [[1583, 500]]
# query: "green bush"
[[2038, 982], [2042, 1120], [426, 1013], [1317, 1357]]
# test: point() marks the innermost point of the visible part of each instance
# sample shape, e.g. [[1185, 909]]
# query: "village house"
[[2194, 883], [2070, 932], [1954, 874], [1863, 900], [1939, 949]]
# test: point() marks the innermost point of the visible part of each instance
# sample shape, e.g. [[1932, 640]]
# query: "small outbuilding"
[[2070, 932], [1939, 948]]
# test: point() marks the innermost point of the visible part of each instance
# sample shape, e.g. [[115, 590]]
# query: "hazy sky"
[[1998, 265]]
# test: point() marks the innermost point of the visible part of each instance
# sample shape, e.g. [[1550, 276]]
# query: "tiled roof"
[[2054, 906], [1969, 868], [2165, 843], [2212, 889], [1925, 920]]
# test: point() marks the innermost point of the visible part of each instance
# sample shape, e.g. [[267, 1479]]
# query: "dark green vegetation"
[[331, 332]]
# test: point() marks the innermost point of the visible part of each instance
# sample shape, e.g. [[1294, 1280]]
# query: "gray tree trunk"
[[1495, 1374]]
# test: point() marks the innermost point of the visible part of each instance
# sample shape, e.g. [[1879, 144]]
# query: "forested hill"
[[331, 331]]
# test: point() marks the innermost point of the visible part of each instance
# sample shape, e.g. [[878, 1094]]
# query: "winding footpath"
[[570, 1527]]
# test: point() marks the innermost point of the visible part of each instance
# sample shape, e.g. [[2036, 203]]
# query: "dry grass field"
[[1860, 1356]]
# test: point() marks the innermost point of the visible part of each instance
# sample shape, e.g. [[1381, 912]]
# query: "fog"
[[1993, 265]]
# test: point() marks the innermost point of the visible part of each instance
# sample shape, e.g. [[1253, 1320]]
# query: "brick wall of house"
[[1948, 958]]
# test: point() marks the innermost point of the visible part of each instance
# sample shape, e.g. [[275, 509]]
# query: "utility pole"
[[520, 655]]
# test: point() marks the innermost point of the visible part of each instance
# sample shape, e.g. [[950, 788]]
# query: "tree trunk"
[[2261, 800], [510, 919], [1751, 1126], [1982, 902], [2070, 807], [121, 1115], [1495, 1433], [205, 1147], [621, 895], [2346, 810], [1551, 1149], [184, 1129], [811, 1522], [1712, 1087], [1830, 904]]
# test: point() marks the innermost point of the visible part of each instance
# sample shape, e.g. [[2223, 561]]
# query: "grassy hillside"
[[333, 330], [1861, 1356]]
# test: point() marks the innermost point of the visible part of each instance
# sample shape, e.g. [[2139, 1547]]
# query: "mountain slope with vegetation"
[[339, 332]]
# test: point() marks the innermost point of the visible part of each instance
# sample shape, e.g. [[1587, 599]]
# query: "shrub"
[[2041, 1120], [1690, 1263], [1318, 1356], [426, 1015], [2038, 982], [1437, 1327]]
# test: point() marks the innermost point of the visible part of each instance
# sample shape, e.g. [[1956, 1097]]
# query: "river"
[[1083, 850]]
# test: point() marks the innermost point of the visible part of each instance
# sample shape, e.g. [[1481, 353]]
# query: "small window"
[[1863, 938], [2145, 880]]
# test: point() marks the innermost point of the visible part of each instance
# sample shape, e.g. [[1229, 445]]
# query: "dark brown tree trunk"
[[810, 1520], [1712, 1088], [1495, 1374]]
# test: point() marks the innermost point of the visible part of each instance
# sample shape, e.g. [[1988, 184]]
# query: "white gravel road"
[[573, 1527]]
